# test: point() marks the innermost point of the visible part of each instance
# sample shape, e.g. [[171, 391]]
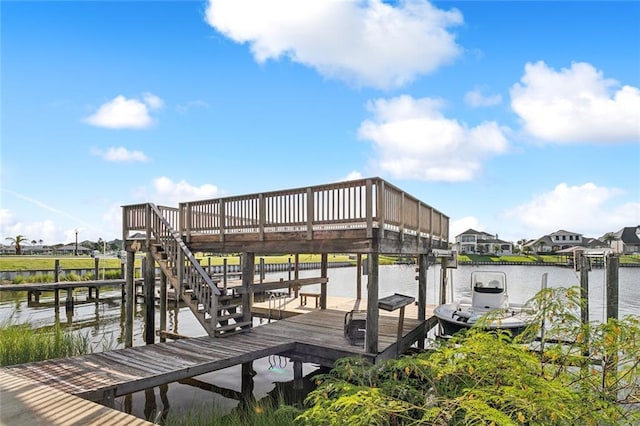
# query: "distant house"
[[627, 240], [37, 249], [472, 241], [561, 240], [71, 249]]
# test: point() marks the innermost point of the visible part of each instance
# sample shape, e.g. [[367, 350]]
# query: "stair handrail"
[[201, 274]]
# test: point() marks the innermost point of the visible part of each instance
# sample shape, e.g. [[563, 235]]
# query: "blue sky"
[[516, 118]]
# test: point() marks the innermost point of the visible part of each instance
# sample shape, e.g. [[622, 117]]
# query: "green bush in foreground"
[[488, 378], [21, 343]]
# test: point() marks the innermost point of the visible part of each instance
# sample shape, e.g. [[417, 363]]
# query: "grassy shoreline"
[[26, 263]]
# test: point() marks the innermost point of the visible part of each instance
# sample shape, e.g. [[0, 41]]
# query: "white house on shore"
[[561, 240], [476, 242]]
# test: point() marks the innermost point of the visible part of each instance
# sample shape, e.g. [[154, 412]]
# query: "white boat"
[[488, 294]]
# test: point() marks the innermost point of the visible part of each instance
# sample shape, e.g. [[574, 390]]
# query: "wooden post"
[[96, 270], [613, 263], [423, 266], [584, 287], [248, 269], [359, 277], [261, 270], [247, 384], [130, 298], [371, 337], [298, 383], [224, 273], [324, 264], [180, 275], [289, 276], [296, 275], [149, 298], [69, 301], [400, 324], [56, 270], [443, 280], [163, 305], [56, 298]]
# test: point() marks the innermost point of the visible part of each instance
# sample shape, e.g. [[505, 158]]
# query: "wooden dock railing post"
[[163, 305], [324, 263], [149, 298], [613, 263], [129, 299], [371, 338]]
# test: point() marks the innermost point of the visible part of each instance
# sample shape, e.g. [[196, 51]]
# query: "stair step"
[[227, 330], [228, 307], [230, 316], [225, 297]]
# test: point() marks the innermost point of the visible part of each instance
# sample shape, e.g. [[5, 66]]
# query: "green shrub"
[[484, 378]]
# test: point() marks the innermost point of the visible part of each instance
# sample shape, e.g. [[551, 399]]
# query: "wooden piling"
[[56, 270], [163, 304], [248, 267], [96, 269], [130, 298], [584, 287], [247, 385], [69, 302], [612, 264], [298, 383], [371, 338], [149, 299], [324, 264], [359, 277]]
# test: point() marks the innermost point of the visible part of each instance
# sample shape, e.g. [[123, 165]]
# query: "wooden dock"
[[316, 337], [27, 402]]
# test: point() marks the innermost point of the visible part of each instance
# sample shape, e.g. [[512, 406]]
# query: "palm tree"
[[15, 241]]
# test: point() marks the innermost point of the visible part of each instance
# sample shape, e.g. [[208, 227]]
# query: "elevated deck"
[[360, 216]]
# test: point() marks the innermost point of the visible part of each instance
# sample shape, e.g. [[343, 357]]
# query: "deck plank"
[[26, 402], [318, 334]]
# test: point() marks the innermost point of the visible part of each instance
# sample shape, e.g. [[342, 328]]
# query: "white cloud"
[[367, 42], [576, 105], [121, 155], [123, 113], [476, 98], [415, 141], [168, 192], [588, 209], [45, 230], [354, 175]]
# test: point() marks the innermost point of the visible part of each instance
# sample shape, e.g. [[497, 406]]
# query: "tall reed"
[[22, 343]]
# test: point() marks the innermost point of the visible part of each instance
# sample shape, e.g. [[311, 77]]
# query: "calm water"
[[103, 322]]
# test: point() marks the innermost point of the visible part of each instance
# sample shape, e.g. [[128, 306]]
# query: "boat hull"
[[453, 320]]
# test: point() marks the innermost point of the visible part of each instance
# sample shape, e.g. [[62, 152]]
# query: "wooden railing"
[[157, 225], [365, 204]]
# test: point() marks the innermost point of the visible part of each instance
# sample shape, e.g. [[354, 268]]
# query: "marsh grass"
[[21, 343], [263, 413]]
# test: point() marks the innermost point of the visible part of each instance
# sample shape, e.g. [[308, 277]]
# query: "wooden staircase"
[[221, 312]]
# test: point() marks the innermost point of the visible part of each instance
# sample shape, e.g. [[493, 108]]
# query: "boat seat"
[[489, 298]]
